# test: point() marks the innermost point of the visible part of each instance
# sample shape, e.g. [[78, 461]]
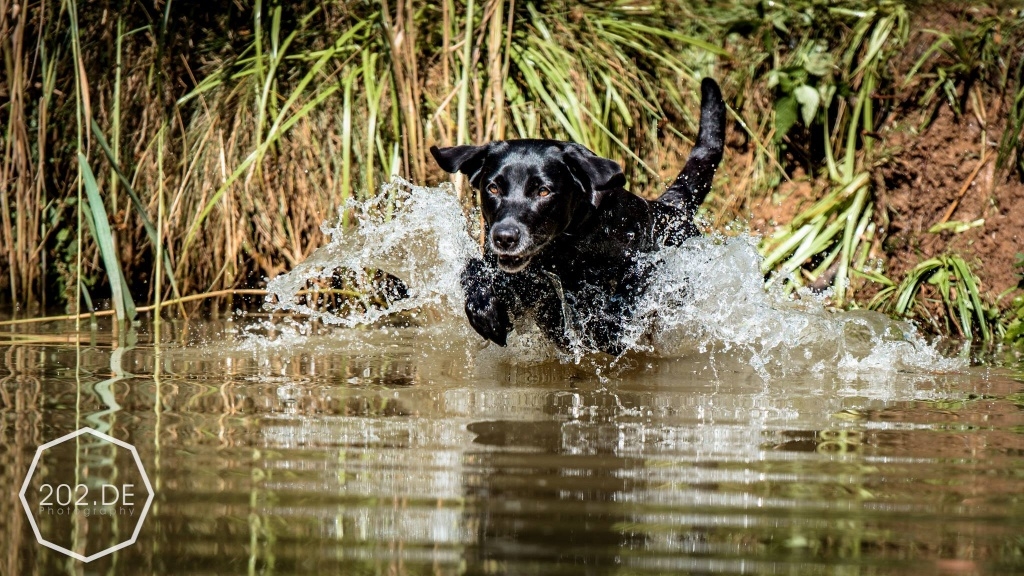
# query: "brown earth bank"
[[936, 183], [931, 177], [949, 173]]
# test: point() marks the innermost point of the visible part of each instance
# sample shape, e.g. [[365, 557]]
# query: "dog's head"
[[530, 190]]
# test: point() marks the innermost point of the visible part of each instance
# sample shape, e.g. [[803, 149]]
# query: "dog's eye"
[[493, 189], [543, 191]]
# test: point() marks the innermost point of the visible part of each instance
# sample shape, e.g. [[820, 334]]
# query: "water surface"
[[389, 450]]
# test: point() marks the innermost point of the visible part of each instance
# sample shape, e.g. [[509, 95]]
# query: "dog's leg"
[[694, 182], [617, 315], [486, 308]]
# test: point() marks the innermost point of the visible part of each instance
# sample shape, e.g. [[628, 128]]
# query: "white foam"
[[710, 293], [707, 295]]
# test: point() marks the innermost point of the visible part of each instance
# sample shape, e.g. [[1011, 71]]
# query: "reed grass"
[[141, 309], [958, 309], [227, 135], [99, 226]]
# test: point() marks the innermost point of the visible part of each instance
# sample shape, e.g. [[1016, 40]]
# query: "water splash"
[[415, 233], [707, 296]]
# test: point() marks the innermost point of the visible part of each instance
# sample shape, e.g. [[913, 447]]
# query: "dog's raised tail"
[[694, 182]]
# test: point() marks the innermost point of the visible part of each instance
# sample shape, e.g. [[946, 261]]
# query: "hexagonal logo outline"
[[32, 469]]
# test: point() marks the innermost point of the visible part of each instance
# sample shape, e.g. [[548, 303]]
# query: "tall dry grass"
[[259, 122]]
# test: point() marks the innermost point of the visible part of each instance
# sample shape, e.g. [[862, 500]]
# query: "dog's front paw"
[[488, 316]]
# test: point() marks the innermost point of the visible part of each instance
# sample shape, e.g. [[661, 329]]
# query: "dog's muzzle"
[[513, 264], [511, 243]]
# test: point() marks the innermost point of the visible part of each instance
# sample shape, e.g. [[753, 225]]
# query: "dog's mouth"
[[513, 264]]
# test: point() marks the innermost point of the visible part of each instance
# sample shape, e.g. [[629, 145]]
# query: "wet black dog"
[[565, 240]]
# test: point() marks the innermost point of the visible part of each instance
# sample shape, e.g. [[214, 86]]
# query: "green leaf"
[[785, 116], [140, 208], [956, 226], [124, 307], [819, 62], [809, 99]]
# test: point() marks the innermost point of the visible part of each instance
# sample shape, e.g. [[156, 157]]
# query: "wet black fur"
[[561, 213]]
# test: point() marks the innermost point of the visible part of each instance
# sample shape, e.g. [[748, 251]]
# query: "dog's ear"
[[595, 174], [466, 159]]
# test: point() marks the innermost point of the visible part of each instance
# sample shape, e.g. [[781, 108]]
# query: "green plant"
[[1014, 316], [958, 62], [99, 225], [610, 86], [956, 58], [960, 306], [1012, 143], [833, 237], [235, 131], [834, 234]]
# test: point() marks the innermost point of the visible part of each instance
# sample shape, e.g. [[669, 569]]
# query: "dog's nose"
[[505, 238]]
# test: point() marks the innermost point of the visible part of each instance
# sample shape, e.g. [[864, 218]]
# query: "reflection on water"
[[394, 451]]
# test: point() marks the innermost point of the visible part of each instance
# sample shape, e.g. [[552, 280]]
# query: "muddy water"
[[392, 450]]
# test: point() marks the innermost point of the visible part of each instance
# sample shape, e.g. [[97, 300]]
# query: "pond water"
[[745, 432], [378, 451]]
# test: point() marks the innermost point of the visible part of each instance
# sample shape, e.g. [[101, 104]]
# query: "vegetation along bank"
[[180, 148]]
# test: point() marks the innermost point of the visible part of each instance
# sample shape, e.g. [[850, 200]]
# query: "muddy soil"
[[935, 167], [948, 173]]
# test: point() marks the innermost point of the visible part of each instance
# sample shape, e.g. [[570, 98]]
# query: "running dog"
[[565, 240]]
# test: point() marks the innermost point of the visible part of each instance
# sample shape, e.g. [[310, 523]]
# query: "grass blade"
[[140, 209], [121, 298]]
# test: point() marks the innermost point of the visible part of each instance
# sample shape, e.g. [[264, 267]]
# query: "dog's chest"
[[585, 297], [590, 274]]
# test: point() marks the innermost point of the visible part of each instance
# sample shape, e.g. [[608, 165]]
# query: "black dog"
[[565, 240]]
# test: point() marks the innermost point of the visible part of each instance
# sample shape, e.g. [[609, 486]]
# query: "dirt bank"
[[936, 183]]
